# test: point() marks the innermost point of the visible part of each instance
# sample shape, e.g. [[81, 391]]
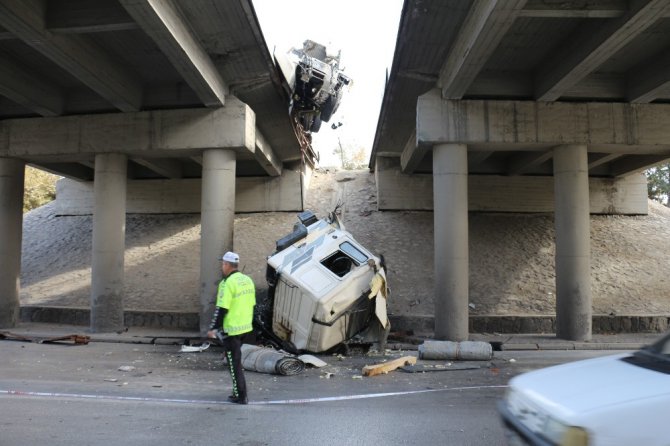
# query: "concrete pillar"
[[109, 241], [216, 220], [11, 230], [573, 243], [450, 197]]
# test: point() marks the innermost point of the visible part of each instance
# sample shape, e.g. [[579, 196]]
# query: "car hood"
[[585, 386]]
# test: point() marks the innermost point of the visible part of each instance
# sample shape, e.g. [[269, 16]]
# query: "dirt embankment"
[[511, 255]]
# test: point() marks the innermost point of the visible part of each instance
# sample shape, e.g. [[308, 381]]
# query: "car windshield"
[[660, 348], [654, 357]]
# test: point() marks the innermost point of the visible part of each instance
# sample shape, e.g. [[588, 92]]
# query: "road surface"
[[76, 395]]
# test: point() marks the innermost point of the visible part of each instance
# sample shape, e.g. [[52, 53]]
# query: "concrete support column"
[[450, 198], [11, 230], [216, 220], [573, 243], [109, 242]]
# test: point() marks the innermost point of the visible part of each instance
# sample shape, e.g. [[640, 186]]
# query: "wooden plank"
[[385, 367]]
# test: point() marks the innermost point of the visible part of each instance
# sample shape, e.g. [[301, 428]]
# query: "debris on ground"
[[76, 339], [385, 367], [126, 368], [194, 348], [268, 360], [430, 368], [312, 360]]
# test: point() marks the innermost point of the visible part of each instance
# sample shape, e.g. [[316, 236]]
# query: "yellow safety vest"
[[237, 294]]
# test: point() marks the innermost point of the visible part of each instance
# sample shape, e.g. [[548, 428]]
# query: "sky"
[[365, 31]]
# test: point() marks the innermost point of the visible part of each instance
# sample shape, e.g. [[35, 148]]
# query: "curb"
[[566, 345], [132, 318], [602, 324]]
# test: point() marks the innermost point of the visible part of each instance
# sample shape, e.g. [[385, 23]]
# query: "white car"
[[621, 399]]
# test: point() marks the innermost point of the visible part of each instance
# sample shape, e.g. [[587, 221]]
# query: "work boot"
[[238, 399]]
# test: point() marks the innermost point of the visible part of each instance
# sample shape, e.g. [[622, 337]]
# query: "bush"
[[658, 183], [39, 188]]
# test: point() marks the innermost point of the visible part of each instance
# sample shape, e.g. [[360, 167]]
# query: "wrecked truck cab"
[[325, 288], [315, 81]]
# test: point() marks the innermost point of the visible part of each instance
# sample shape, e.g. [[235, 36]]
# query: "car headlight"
[[564, 435], [542, 423]]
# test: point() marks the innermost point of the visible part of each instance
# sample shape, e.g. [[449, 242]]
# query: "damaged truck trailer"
[[324, 289]]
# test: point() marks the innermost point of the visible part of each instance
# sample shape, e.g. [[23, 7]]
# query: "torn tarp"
[[267, 360]]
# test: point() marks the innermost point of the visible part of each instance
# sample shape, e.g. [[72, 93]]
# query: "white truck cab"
[[321, 286]]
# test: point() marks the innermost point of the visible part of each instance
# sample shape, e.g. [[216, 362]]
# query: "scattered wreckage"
[[315, 82], [325, 289], [76, 339]]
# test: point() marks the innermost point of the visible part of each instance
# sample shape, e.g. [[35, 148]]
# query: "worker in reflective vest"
[[234, 312]]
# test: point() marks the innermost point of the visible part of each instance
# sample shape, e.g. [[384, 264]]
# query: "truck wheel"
[[328, 108], [316, 125]]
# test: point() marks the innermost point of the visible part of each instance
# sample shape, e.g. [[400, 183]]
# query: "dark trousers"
[[233, 351]]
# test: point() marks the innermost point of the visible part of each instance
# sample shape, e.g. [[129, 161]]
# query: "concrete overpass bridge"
[[147, 106], [523, 106], [176, 106]]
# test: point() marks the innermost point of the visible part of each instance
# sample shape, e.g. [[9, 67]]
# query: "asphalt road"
[[76, 395]]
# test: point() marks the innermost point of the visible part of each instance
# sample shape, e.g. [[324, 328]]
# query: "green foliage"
[[658, 183], [39, 188], [352, 157]]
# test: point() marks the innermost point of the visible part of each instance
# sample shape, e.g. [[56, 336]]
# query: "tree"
[[352, 156], [39, 188]]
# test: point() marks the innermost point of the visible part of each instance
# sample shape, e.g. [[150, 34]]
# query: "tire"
[[316, 125], [328, 108]]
